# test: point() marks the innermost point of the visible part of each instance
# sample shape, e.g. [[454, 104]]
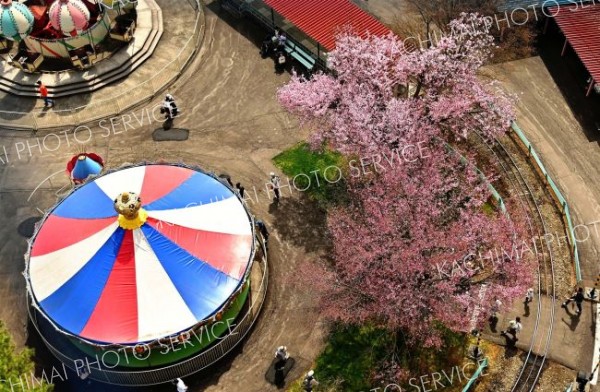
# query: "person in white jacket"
[[181, 387]]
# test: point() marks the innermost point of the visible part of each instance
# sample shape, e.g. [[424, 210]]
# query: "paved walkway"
[[573, 160], [179, 21], [236, 126], [570, 335]]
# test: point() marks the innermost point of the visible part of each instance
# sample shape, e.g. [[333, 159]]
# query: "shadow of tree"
[[301, 222]]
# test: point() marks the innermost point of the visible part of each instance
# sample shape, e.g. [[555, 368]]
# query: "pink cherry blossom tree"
[[414, 247]]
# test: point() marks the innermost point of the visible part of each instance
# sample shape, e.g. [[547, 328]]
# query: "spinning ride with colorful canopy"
[[84, 165], [141, 255]]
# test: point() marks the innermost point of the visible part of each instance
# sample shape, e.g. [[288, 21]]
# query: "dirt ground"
[[236, 126]]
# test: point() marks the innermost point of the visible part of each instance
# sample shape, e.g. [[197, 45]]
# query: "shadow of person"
[[526, 309], [510, 352], [279, 378], [511, 339], [574, 319], [493, 323], [278, 370]]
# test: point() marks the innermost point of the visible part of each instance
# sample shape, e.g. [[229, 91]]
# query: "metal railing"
[[566, 212], [184, 368], [111, 106], [476, 375], [319, 54]]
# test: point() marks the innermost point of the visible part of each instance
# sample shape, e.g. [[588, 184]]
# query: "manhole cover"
[[173, 135], [27, 227]]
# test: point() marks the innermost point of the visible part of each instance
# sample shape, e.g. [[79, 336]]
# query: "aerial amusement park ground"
[[237, 126]]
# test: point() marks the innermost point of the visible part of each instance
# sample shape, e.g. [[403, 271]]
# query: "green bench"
[[299, 54]]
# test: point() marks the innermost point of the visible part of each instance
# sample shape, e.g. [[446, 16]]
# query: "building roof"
[[510, 5], [581, 27], [321, 20]]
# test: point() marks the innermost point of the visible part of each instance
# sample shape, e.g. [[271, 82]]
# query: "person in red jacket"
[[43, 90]]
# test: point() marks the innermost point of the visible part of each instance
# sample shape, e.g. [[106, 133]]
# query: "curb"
[[596, 346]]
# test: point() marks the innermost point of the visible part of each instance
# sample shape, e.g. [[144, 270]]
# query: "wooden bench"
[[303, 58]]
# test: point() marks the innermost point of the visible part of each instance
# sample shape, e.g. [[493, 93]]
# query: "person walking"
[[169, 107], [281, 355], [43, 90], [309, 381], [262, 228], [514, 327], [275, 183], [265, 47], [578, 297], [240, 189], [170, 110], [529, 296], [495, 308], [181, 387]]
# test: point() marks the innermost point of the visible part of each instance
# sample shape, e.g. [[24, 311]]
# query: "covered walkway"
[[322, 20], [581, 28], [310, 25]]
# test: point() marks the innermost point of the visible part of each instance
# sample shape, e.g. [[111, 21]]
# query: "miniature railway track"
[[529, 374]]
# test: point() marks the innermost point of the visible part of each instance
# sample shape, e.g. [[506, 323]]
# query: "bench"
[[233, 8], [303, 58]]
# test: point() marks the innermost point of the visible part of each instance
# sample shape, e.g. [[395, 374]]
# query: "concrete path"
[[155, 73], [569, 344], [236, 126], [572, 156]]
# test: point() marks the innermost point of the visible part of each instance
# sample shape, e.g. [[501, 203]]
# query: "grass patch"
[[489, 209], [353, 354], [319, 174]]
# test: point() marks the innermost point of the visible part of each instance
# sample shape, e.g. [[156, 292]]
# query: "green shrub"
[[307, 170], [17, 367]]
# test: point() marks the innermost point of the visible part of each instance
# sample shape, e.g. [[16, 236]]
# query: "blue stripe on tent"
[[197, 190], [74, 302], [87, 202], [83, 169], [203, 288]]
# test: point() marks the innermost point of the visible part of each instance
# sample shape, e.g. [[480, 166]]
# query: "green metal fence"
[[557, 194], [475, 376], [495, 195]]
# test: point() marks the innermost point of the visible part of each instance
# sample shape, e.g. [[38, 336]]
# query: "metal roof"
[[581, 27], [322, 19], [511, 5]]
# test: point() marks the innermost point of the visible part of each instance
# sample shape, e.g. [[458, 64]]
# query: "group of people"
[[260, 225], [274, 45], [281, 358], [515, 326]]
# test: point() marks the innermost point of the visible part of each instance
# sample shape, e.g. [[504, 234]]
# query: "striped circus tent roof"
[[96, 278]]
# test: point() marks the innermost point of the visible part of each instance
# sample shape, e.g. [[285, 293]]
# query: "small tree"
[[16, 369]]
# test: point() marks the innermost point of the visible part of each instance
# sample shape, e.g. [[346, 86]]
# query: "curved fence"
[[566, 212], [476, 375], [184, 368], [143, 92]]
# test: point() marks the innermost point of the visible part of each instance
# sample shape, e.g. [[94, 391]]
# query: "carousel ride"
[[71, 32], [50, 37], [142, 267]]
